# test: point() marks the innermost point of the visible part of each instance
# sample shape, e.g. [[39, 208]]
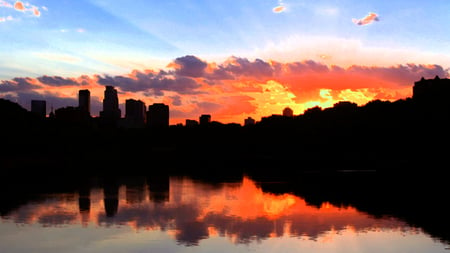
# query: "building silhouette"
[[135, 113], [288, 112], [431, 97], [249, 121], [110, 104], [191, 122], [84, 101], [39, 107], [72, 115], [205, 119], [427, 90], [158, 115]]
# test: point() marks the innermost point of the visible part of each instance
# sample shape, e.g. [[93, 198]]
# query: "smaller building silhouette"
[[72, 115], [135, 113], [205, 119], [158, 115], [431, 97], [39, 107], [249, 121], [191, 123]]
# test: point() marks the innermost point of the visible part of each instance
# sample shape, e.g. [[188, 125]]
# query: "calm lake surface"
[[183, 214]]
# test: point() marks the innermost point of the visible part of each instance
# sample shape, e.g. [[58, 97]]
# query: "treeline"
[[399, 136]]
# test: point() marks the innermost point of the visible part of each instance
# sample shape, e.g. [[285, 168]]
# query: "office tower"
[[110, 104], [39, 107], [205, 119], [84, 101], [135, 114], [158, 115]]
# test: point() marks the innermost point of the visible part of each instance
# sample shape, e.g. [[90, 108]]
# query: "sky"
[[230, 59]]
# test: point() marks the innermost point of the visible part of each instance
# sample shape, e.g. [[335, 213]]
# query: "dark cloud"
[[190, 66], [17, 84], [401, 74], [306, 66], [151, 83], [176, 100], [57, 81], [243, 67]]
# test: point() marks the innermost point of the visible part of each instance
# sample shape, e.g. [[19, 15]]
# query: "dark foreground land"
[[392, 138]]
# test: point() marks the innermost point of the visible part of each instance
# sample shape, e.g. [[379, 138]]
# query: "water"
[[181, 214]]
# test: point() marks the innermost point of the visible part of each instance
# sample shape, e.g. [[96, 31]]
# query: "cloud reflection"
[[194, 211]]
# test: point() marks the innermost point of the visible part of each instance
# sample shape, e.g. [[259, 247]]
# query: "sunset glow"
[[233, 61]]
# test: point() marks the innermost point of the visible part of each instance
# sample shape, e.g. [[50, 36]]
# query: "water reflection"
[[190, 211]]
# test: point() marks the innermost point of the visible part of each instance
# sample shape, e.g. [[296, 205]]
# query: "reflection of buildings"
[[84, 204], [39, 107], [159, 189], [196, 211], [110, 104], [158, 115], [111, 197], [84, 101], [135, 190]]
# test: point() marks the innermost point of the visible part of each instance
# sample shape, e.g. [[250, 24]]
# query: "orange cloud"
[[369, 19], [19, 6], [279, 9], [239, 87], [36, 12]]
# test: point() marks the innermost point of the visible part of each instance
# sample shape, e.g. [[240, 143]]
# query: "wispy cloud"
[[5, 4], [57, 57], [4, 19], [369, 19]]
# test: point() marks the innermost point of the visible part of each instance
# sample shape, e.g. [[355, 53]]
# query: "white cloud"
[[344, 52]]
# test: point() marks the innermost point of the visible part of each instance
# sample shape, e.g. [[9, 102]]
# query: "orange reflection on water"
[[191, 211]]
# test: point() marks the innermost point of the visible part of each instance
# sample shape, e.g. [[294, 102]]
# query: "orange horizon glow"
[[239, 88]]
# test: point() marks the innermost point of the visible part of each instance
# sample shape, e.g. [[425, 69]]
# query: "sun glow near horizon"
[[233, 61]]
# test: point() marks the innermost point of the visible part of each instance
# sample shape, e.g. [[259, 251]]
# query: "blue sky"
[[116, 37], [92, 36]]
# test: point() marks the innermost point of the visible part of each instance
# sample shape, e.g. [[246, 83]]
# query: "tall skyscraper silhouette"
[[110, 104], [84, 101], [158, 115], [39, 107]]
